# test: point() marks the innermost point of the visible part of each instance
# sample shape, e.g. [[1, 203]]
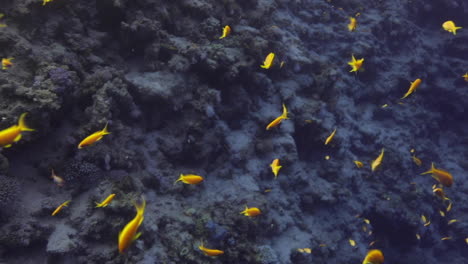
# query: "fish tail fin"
[[245, 211], [285, 112], [140, 207], [180, 179], [66, 203], [104, 131], [97, 205], [429, 171], [22, 125]]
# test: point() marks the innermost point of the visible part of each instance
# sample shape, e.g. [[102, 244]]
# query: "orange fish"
[[189, 179], [352, 24], [329, 138], [60, 207], [268, 61], [450, 27], [442, 176], [465, 76], [412, 88], [275, 167], [226, 32], [440, 193], [210, 252], [251, 212], [6, 63], [13, 134], [355, 64], [279, 119], [376, 163], [129, 233], [374, 256], [91, 139]]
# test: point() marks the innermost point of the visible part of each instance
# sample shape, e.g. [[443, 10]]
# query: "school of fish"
[[130, 231]]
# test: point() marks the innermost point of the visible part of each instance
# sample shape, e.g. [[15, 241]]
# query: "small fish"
[[267, 190], [13, 134], [251, 212], [352, 242], [275, 167], [452, 221], [352, 24], [268, 61], [449, 207], [304, 250], [210, 252], [355, 64], [226, 32], [106, 201], [412, 88], [322, 245], [282, 64], [376, 163], [189, 179], [450, 27], [358, 164], [412, 150], [279, 119], [441, 213], [6, 63], [46, 1], [327, 157], [57, 179], [91, 139], [466, 240], [367, 221], [416, 160], [446, 238], [423, 219], [418, 237], [129, 232], [372, 243], [465, 77], [374, 256], [442, 176], [60, 207], [440, 193], [384, 106], [330, 138]]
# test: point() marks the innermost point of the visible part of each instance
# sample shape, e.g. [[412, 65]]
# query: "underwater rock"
[[60, 241]]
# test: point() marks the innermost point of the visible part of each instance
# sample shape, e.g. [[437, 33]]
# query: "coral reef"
[[177, 100]]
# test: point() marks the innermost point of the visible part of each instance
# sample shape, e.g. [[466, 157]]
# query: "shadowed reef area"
[[180, 100]]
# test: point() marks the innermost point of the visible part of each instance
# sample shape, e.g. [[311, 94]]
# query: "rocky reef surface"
[[180, 100]]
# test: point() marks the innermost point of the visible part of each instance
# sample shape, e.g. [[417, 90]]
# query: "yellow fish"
[[226, 32], [268, 61], [210, 252], [275, 167], [465, 77], [13, 133], [440, 193], [352, 24], [60, 207], [442, 176], [412, 88], [57, 179], [6, 63], [46, 1], [446, 238], [129, 233], [91, 139], [374, 256], [189, 179], [358, 164], [304, 250], [106, 201], [329, 138], [251, 212], [450, 27], [449, 207], [452, 221], [279, 119], [355, 64], [376, 163], [352, 242]]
